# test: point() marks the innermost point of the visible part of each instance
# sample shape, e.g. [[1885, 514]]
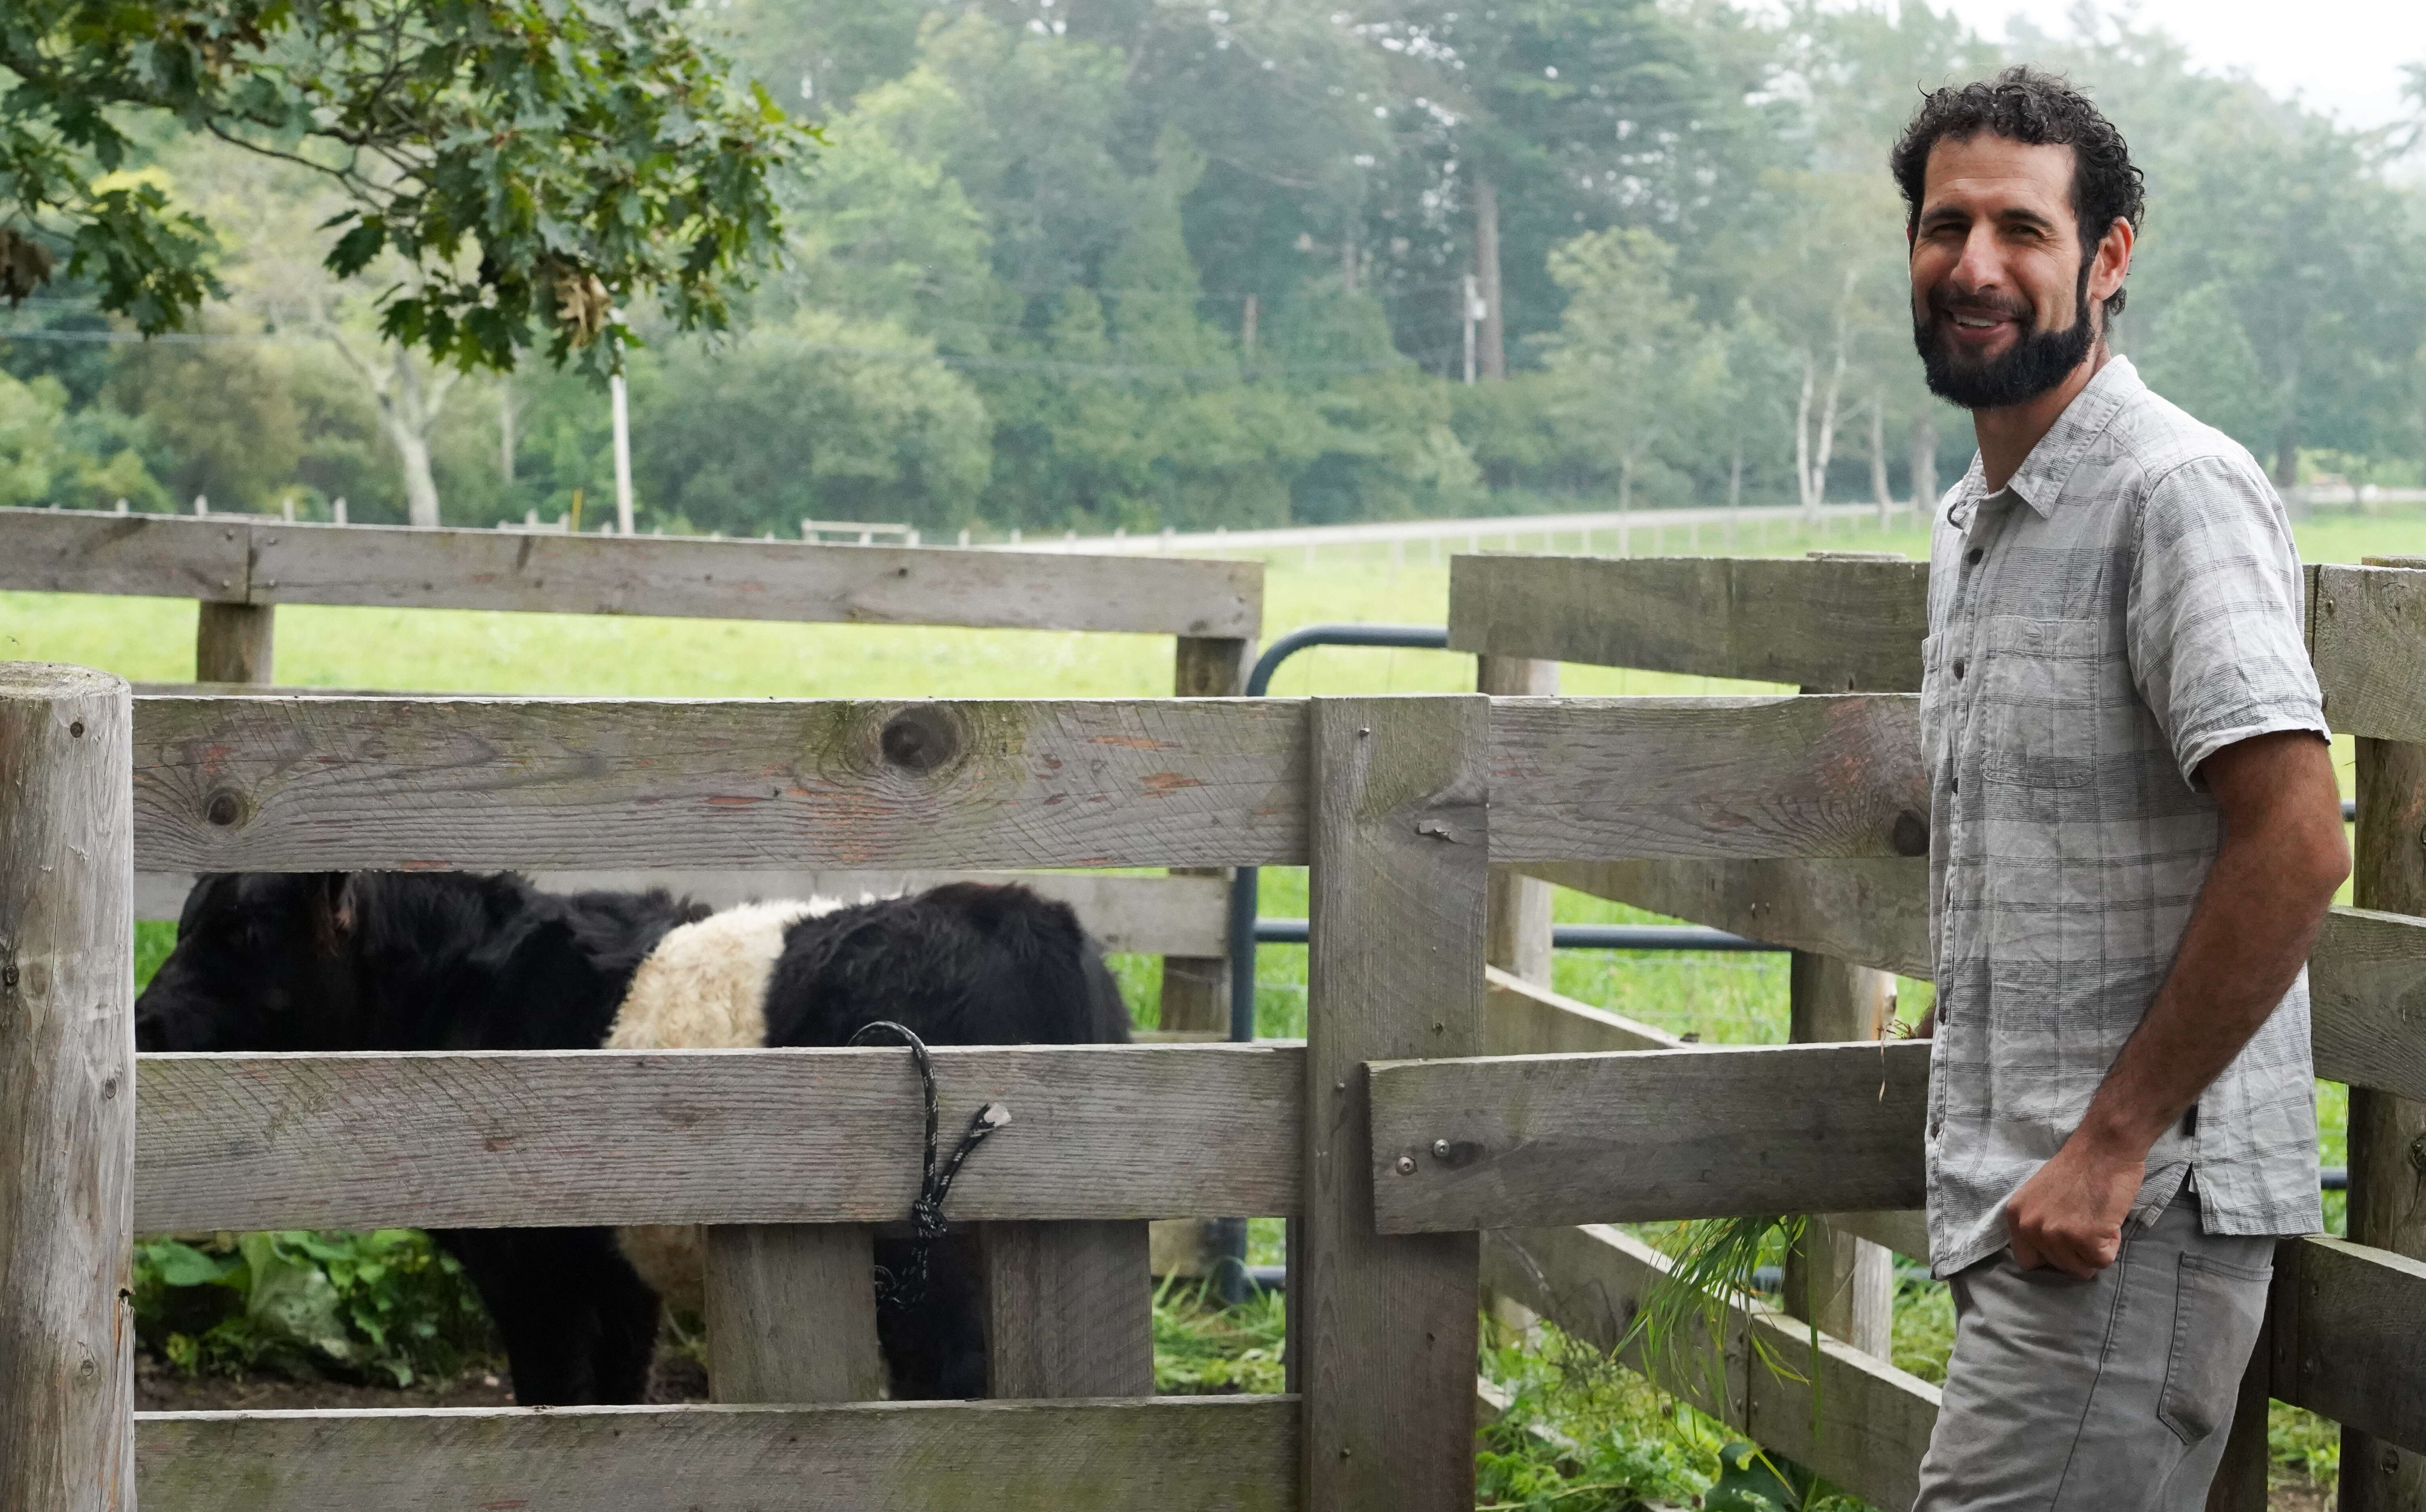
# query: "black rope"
[[898, 1293]]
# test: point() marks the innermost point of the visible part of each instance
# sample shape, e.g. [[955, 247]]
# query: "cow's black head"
[[265, 960]]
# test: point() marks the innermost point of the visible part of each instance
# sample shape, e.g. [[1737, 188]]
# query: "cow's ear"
[[335, 905]]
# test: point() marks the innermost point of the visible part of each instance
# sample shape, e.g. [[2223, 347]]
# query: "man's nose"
[[1982, 267]]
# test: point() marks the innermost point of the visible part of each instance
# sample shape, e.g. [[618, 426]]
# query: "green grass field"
[[1634, 1445]]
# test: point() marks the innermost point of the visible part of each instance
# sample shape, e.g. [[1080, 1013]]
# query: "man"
[[2136, 832]]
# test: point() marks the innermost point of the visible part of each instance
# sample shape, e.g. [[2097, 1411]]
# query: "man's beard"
[[2038, 361]]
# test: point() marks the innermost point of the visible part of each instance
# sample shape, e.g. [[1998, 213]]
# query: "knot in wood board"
[[225, 806], [1910, 834], [921, 738]]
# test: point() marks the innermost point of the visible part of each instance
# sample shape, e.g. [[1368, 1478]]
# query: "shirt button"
[[1973, 555], [1958, 671]]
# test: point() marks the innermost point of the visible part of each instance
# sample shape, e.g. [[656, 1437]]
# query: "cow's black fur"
[[335, 962]]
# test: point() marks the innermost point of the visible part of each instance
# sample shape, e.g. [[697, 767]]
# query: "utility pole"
[[506, 431], [1474, 310], [1493, 344], [622, 455], [1247, 328]]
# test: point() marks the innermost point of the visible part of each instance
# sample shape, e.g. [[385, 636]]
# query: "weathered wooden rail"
[[240, 569], [1858, 624]]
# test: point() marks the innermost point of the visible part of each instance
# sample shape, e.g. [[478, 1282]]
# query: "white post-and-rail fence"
[[1623, 532], [2345, 1316], [1618, 532]]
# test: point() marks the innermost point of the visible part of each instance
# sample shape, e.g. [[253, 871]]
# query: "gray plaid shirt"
[[2126, 607]]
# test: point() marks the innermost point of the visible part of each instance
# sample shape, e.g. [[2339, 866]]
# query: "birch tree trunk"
[[420, 486], [1879, 455], [1803, 438], [409, 406], [1815, 437], [1924, 458]]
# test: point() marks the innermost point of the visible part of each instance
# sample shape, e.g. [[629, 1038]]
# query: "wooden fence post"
[[2387, 1134], [1519, 941], [1399, 844], [791, 1313], [1518, 917], [1069, 1310], [67, 1091], [1196, 989], [234, 642], [1844, 1284]]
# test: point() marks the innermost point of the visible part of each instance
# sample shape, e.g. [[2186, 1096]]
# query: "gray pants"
[[2114, 1394]]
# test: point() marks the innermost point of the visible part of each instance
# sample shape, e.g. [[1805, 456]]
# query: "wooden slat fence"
[[241, 569], [260, 562], [1389, 1140], [1838, 624], [1386, 1164]]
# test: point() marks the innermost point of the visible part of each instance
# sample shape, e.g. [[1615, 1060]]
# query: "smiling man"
[[2136, 832]]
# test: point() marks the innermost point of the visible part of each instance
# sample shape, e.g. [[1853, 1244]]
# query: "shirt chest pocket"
[[2044, 695]]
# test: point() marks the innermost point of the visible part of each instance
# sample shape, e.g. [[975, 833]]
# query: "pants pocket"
[[2218, 1310]]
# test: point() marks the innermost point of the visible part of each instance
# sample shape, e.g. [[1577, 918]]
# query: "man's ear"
[[2110, 265]]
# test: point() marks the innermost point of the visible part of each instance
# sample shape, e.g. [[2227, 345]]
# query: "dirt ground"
[[2302, 1495], [159, 1388]]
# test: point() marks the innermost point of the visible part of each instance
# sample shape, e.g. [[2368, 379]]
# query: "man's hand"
[[2070, 1215]]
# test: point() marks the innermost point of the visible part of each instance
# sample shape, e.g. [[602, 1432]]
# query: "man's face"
[[2001, 302]]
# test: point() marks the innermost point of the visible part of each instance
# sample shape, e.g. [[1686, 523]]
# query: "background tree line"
[[1091, 263]]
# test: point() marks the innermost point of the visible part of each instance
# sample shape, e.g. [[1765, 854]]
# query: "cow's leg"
[[937, 1349], [577, 1324]]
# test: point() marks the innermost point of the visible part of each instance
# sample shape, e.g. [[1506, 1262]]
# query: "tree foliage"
[[535, 163], [1107, 263]]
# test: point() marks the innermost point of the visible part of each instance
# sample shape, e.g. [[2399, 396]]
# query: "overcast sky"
[[2339, 56]]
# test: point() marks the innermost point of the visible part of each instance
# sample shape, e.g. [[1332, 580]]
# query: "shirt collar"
[[2044, 472], [1968, 494]]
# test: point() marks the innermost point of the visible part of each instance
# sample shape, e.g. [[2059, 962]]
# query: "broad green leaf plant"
[[538, 165], [387, 1306]]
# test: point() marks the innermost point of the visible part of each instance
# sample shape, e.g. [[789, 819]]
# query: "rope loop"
[[898, 1294]]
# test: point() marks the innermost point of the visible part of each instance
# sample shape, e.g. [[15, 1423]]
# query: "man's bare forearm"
[[2250, 932]]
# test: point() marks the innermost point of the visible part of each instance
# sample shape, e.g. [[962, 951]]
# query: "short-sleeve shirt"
[[2127, 605]]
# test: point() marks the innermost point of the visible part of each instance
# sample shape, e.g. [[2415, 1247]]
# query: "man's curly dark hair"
[[2025, 105]]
